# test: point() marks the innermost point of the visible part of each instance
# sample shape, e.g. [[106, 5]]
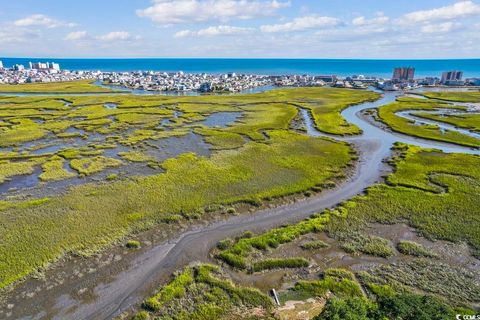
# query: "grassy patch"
[[53, 169], [136, 156], [133, 244], [88, 166], [372, 245], [434, 192], [314, 245], [388, 115], [337, 281], [414, 249], [429, 276], [471, 96], [461, 120], [9, 169], [203, 292], [80, 86], [288, 263]]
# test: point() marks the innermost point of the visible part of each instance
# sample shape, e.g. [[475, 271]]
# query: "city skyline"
[[241, 29]]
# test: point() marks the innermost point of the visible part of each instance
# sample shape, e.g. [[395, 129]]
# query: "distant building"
[[429, 81], [18, 67], [326, 79], [403, 74], [452, 78], [1, 64], [206, 87], [44, 66], [474, 81]]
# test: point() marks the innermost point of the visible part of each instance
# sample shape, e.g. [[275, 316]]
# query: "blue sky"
[[240, 28]]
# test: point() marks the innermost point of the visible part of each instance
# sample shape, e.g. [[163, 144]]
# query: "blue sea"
[[339, 67]]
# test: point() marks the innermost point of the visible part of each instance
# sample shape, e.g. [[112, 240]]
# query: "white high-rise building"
[[1, 64]]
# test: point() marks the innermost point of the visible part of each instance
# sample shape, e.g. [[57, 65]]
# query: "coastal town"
[[403, 78]]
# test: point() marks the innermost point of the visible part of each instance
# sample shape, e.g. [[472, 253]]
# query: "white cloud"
[[378, 21], [40, 20], [460, 9], [214, 31], [438, 28], [302, 23], [117, 36], [76, 35], [183, 11], [184, 34]]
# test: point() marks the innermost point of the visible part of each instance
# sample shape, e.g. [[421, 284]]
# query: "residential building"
[[403, 74], [18, 67], [1, 64], [452, 78]]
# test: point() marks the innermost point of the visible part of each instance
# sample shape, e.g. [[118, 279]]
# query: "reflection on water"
[[221, 119]]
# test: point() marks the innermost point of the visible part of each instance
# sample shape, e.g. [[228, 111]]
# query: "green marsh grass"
[[387, 114]]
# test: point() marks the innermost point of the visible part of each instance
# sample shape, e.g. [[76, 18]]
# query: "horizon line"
[[233, 58]]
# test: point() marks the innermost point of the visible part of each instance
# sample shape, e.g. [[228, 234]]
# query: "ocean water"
[[340, 67]]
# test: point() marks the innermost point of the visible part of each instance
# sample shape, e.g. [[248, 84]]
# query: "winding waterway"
[[128, 287]]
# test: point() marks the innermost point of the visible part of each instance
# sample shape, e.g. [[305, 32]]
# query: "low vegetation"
[[269, 264], [81, 86], [314, 245], [387, 115], [203, 292], [367, 244], [53, 169], [91, 216], [470, 96], [88, 166], [414, 249]]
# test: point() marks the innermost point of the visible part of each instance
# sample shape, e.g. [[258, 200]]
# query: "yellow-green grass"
[[221, 139], [53, 169], [80, 86], [136, 156], [434, 192], [260, 112], [91, 217], [88, 166], [9, 168], [469, 96], [397, 123], [470, 121], [203, 292], [23, 131], [326, 104]]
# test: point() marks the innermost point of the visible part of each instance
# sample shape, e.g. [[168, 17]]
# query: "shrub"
[[354, 308], [133, 244], [142, 315], [269, 264], [112, 176], [224, 244], [312, 245], [231, 210], [414, 249], [372, 245], [233, 260]]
